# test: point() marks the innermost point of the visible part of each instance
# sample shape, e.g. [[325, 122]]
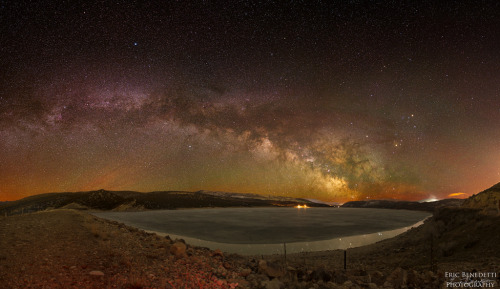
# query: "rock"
[[359, 272], [220, 271], [301, 275], [190, 251], [271, 269], [291, 273], [262, 265], [331, 285], [245, 272], [397, 279], [429, 277], [178, 249], [217, 253], [242, 283], [372, 286], [273, 284], [321, 274], [339, 277], [362, 279], [256, 280], [377, 278], [413, 279], [96, 273]]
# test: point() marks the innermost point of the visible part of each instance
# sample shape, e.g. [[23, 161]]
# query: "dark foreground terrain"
[[72, 249]]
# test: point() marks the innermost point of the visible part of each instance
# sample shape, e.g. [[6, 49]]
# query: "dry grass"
[[96, 229]]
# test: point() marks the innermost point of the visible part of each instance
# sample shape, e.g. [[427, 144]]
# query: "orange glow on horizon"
[[461, 195]]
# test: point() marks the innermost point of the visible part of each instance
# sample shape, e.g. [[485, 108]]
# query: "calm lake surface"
[[306, 229]]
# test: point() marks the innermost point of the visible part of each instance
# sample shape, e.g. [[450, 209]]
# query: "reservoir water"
[[265, 230]]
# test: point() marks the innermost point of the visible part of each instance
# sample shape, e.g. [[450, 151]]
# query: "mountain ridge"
[[137, 201], [488, 201], [404, 205]]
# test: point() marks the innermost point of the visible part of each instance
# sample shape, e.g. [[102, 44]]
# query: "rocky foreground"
[[72, 249]]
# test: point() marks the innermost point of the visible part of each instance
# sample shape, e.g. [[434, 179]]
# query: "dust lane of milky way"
[[336, 101]]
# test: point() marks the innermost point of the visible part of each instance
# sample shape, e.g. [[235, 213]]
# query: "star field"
[[341, 101]]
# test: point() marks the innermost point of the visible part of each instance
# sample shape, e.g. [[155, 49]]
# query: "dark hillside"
[[133, 201], [38, 203], [404, 205], [488, 201]]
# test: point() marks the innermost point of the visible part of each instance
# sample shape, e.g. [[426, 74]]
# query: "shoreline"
[[250, 249], [275, 225], [74, 249]]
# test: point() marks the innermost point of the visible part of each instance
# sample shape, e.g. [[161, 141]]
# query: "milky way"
[[335, 102]]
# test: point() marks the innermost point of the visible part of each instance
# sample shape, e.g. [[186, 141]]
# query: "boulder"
[[271, 269], [178, 249], [96, 273], [361, 279], [256, 280], [273, 284], [217, 253], [301, 275], [292, 273], [321, 274], [245, 272], [339, 277], [429, 277], [242, 283], [413, 279], [378, 278], [397, 279]]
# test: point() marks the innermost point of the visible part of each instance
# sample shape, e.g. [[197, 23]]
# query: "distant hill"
[[136, 201], [404, 205], [488, 201]]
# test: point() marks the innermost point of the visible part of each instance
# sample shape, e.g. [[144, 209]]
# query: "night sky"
[[331, 100]]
